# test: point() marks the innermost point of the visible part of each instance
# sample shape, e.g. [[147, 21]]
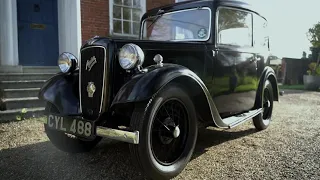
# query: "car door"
[[235, 78]]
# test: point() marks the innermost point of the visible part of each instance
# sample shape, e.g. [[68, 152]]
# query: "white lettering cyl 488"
[[77, 126], [50, 118], [61, 125]]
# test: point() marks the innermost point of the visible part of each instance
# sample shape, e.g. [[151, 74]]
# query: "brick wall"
[[155, 3], [95, 16]]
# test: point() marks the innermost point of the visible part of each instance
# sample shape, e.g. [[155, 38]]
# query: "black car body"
[[215, 69]]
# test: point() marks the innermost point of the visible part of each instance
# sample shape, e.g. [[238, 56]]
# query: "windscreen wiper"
[[158, 15]]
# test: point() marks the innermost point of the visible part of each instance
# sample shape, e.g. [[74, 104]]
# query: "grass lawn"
[[294, 87]]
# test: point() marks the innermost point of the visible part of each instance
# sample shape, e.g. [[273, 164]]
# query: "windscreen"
[[188, 25]]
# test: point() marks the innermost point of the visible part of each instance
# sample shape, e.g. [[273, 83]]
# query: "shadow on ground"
[[106, 161]]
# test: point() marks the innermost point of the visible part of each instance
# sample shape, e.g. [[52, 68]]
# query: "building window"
[[125, 17], [234, 27]]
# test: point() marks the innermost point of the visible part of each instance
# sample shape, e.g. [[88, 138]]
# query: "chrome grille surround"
[[99, 75]]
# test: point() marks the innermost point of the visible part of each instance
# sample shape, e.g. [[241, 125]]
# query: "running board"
[[234, 121]]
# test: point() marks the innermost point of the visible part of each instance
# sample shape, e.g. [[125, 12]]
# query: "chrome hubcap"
[[176, 132], [267, 104]]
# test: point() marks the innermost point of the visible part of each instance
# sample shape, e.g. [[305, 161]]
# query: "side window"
[[260, 33], [234, 27]]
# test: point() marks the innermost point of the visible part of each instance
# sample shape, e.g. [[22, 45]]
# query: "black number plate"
[[70, 125]]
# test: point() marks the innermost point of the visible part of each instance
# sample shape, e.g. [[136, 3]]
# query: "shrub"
[[314, 69]]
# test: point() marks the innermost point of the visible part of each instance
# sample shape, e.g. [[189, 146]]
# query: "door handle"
[[253, 60], [214, 53]]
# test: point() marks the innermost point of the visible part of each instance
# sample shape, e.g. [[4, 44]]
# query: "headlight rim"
[[139, 56], [72, 60]]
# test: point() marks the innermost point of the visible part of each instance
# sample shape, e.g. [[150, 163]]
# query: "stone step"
[[25, 76], [40, 69], [19, 103], [20, 114], [21, 84], [18, 93]]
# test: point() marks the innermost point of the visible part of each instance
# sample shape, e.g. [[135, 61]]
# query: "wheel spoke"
[[172, 109], [163, 124], [166, 111], [172, 149]]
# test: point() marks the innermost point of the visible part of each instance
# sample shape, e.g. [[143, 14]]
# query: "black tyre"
[[263, 120], [168, 133], [65, 142]]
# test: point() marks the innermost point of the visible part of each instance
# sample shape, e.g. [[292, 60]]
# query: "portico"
[[34, 32]]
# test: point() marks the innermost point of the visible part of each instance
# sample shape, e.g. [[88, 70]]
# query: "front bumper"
[[120, 135], [85, 129]]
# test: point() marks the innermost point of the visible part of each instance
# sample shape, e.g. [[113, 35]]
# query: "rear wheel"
[[262, 120], [65, 142], [168, 133]]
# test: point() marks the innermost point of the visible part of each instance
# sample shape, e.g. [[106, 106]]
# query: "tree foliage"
[[314, 35], [304, 54], [231, 19]]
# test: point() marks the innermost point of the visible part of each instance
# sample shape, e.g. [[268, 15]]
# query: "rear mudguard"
[[267, 74], [62, 91]]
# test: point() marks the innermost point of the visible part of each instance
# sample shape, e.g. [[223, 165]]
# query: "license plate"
[[70, 125]]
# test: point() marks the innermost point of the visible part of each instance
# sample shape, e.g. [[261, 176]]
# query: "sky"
[[289, 21]]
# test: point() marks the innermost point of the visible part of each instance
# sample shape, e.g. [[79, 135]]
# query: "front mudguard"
[[62, 91], [144, 85]]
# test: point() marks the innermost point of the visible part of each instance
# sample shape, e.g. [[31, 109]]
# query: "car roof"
[[244, 4]]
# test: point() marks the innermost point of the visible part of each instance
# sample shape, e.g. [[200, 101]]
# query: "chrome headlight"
[[131, 56], [67, 62]]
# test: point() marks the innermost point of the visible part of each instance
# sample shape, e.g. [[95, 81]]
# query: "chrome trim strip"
[[120, 135], [217, 120], [182, 40], [104, 76], [246, 118]]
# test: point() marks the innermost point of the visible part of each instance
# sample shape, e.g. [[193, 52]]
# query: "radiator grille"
[[93, 57]]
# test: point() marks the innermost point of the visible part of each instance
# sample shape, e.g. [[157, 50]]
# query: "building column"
[[69, 22], [9, 55]]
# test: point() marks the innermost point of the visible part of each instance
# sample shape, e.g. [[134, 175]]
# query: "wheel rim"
[[267, 107], [169, 132]]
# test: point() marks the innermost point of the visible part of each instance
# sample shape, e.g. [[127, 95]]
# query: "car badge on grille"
[[91, 88], [90, 63]]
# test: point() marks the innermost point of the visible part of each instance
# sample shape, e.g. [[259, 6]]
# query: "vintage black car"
[[196, 64]]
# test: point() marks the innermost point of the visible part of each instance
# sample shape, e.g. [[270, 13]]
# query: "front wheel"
[[262, 120], [66, 142], [168, 133]]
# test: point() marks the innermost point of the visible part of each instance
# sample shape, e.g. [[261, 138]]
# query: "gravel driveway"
[[288, 149]]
